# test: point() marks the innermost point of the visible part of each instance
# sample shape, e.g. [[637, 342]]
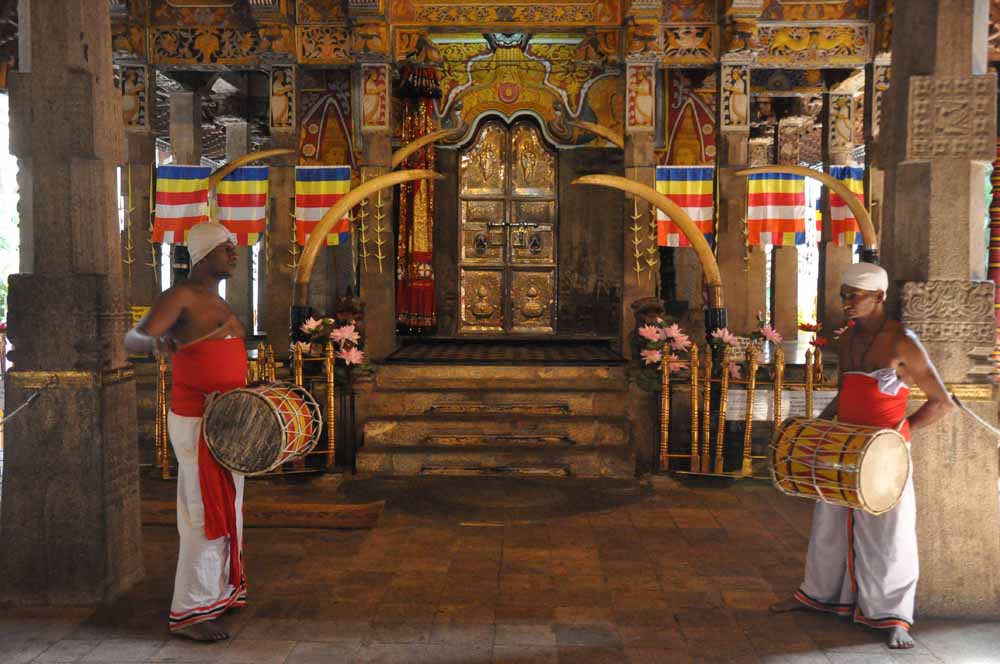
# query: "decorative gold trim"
[[37, 380], [964, 391]]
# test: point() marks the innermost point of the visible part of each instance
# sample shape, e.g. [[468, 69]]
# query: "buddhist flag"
[[776, 209], [181, 201], [691, 187], [317, 188], [846, 232], [242, 199]]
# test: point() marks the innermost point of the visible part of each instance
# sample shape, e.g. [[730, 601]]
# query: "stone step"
[[590, 461], [481, 430], [507, 403], [406, 377]]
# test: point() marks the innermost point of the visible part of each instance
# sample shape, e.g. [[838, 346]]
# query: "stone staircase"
[[527, 419]]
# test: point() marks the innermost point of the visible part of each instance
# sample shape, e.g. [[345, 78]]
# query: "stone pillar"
[[142, 278], [70, 519], [837, 147], [939, 130], [378, 288], [185, 144], [239, 287], [742, 268], [785, 260], [276, 266]]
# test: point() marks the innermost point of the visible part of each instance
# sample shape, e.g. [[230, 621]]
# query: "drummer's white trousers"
[[202, 590], [862, 565]]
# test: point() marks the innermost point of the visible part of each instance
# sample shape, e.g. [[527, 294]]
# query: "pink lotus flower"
[[650, 332], [680, 342], [351, 355], [652, 356], [345, 333], [735, 371], [675, 363], [724, 335], [303, 346], [310, 325], [840, 330], [771, 334]]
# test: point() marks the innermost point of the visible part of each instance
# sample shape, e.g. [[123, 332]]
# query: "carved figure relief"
[[735, 97], [819, 45], [482, 309], [882, 75], [641, 97], [320, 11], [371, 38], [642, 40], [688, 10], [952, 117], [689, 44], [282, 97], [532, 298], [815, 10], [374, 97], [840, 128], [134, 96]]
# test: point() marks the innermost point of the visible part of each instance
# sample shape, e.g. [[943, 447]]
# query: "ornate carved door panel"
[[507, 236]]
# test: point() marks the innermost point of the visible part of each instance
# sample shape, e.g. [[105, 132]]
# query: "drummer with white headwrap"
[[191, 322], [861, 565]]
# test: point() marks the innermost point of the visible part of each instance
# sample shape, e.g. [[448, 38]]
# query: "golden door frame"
[[508, 199]]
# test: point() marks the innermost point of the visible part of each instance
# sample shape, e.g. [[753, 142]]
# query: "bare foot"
[[203, 631], [899, 639], [786, 605]]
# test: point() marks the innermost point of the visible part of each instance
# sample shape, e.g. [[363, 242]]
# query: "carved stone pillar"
[[70, 518], [939, 130], [140, 256]]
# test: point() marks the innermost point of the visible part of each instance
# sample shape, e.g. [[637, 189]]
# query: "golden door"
[[507, 234]]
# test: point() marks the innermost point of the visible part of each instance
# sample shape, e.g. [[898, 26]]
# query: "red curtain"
[[414, 253]]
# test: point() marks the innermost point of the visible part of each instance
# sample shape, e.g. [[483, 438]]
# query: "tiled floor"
[[497, 570]]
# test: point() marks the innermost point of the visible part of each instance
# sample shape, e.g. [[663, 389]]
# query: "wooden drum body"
[[851, 465], [253, 430]]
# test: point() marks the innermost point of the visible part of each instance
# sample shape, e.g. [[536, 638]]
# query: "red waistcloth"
[[215, 365], [862, 402]]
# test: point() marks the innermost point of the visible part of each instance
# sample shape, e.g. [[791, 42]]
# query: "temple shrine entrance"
[[507, 237]]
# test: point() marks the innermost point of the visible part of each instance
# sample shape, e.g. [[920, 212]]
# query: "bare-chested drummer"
[[860, 565], [196, 326]]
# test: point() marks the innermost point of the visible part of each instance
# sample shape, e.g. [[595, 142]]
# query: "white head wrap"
[[204, 237], [866, 277]]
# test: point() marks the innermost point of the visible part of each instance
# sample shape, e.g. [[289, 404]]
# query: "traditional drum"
[[843, 464], [252, 430]]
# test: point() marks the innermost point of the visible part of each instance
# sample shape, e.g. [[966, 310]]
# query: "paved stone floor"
[[502, 570]]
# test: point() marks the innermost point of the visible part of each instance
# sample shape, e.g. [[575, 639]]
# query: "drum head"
[[885, 466], [242, 432]]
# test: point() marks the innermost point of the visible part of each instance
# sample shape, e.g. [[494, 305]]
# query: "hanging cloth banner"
[[242, 199], [692, 188], [181, 201], [317, 188], [846, 232], [776, 209]]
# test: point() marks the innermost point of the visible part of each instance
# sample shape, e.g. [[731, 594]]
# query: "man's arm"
[[151, 334], [920, 368]]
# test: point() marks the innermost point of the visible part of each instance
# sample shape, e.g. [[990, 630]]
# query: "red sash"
[[862, 402], [215, 365]]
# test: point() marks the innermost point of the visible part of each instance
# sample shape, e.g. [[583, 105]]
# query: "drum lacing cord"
[[53, 382]]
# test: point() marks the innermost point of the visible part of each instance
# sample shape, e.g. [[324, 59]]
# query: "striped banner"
[[317, 188], [776, 209], [181, 201], [692, 188], [846, 232], [242, 199]]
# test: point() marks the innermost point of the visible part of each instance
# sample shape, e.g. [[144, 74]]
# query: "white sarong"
[[862, 565], [202, 590]]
